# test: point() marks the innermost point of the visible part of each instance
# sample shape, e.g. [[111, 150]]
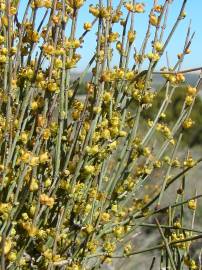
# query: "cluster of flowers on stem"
[[72, 164]]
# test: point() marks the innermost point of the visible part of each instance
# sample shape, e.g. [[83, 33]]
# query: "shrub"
[[192, 137], [72, 169]]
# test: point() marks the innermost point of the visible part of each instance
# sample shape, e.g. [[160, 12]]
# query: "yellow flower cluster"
[[75, 150]]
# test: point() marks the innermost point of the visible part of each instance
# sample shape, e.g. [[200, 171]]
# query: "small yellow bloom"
[[189, 100], [2, 6], [24, 137], [158, 8], [89, 228], [89, 169], [122, 133], [158, 46], [35, 36], [94, 11], [188, 123], [7, 246], [75, 3], [47, 3], [3, 59], [127, 248], [191, 90], [189, 162], [177, 224], [34, 161], [139, 8], [43, 158], [52, 86], [47, 134], [188, 51], [87, 26], [48, 49], [12, 256], [180, 78], [2, 39], [46, 200], [118, 231], [192, 204], [153, 56], [112, 145], [4, 21], [131, 36], [105, 217], [58, 63], [30, 228], [38, 3], [153, 20], [32, 210], [109, 247], [129, 7], [34, 185], [48, 182], [26, 157], [48, 254], [92, 150]]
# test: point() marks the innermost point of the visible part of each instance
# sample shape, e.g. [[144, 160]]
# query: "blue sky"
[[194, 13]]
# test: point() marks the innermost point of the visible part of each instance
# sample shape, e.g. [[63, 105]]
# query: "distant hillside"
[[157, 79], [190, 78]]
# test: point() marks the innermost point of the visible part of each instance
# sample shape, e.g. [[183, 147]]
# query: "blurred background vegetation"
[[192, 136]]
